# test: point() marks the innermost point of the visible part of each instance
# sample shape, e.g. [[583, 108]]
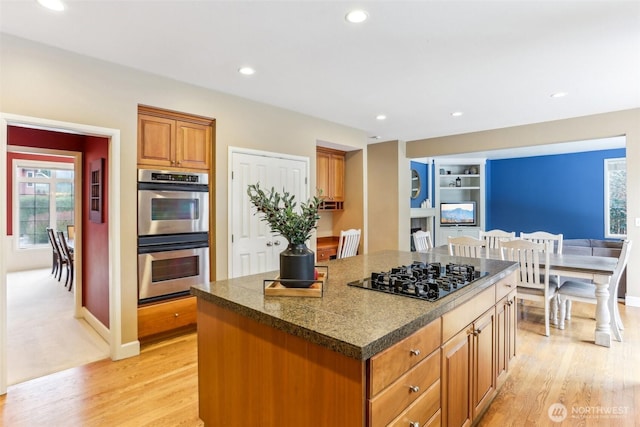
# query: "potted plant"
[[297, 261]]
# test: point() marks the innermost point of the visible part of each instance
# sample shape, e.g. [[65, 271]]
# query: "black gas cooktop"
[[420, 280]]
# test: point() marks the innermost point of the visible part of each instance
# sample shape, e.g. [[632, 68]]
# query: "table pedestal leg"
[[603, 316]]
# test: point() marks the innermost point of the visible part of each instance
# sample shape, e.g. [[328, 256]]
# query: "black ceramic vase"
[[297, 262]]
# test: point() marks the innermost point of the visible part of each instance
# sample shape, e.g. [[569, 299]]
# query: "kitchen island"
[[353, 357]]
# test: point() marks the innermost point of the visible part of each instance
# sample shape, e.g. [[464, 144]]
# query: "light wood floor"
[[159, 388]]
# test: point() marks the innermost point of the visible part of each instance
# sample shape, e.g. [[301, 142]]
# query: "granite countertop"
[[356, 322]]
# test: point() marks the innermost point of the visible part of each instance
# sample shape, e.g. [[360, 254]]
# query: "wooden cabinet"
[[479, 342], [327, 247], [404, 380], [506, 324], [170, 140], [468, 358], [468, 376], [155, 319], [330, 168]]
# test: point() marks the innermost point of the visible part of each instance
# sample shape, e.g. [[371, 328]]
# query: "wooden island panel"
[[255, 375]]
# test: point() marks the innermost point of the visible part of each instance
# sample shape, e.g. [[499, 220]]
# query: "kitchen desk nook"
[[355, 356]]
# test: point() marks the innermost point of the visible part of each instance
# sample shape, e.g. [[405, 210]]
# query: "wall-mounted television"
[[458, 213]]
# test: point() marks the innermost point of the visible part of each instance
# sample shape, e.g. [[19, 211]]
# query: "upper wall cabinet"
[[330, 177], [172, 140]]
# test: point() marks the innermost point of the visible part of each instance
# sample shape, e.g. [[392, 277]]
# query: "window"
[[615, 198], [43, 197]]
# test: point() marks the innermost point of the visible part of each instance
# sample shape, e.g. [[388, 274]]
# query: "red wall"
[[95, 237]]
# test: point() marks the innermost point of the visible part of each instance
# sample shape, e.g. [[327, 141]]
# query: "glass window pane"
[[34, 215], [64, 205], [616, 197]]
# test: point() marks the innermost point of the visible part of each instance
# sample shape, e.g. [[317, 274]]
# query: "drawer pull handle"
[[414, 388], [415, 352], [414, 424]]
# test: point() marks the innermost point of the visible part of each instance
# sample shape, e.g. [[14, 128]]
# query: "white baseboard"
[[97, 325], [632, 301], [122, 351], [127, 350]]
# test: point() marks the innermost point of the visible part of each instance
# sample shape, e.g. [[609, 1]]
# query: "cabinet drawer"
[[422, 410], [166, 316], [506, 285], [325, 254], [404, 391], [388, 365], [459, 317]]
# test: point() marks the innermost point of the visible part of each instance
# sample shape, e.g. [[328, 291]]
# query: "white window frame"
[[17, 180], [608, 163]]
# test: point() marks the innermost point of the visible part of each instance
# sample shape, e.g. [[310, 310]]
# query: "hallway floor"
[[43, 336]]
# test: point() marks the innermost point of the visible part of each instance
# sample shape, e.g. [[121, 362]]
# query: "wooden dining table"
[[598, 269]]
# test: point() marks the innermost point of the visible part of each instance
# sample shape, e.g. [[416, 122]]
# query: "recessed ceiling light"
[[559, 94], [375, 137], [457, 113], [357, 16], [381, 117], [56, 5], [246, 71]]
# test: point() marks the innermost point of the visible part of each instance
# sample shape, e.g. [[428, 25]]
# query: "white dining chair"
[[348, 243], [466, 246], [422, 241], [580, 290], [544, 237], [493, 238], [533, 282]]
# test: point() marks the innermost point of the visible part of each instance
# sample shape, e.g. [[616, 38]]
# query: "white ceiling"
[[414, 61]]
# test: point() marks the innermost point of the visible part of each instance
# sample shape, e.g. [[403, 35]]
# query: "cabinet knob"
[[414, 388], [477, 332], [173, 162], [178, 163], [176, 314], [269, 243], [277, 243], [414, 352], [414, 424]]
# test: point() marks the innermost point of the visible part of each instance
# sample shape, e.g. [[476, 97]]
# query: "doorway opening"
[[111, 330]]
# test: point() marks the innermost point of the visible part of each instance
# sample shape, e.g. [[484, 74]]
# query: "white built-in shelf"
[[423, 212]]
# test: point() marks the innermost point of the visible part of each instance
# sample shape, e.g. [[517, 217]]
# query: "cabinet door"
[[330, 168], [456, 379], [336, 177], [193, 146], [156, 141], [506, 326], [484, 376], [322, 174]]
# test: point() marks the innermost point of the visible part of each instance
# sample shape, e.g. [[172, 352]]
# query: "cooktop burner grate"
[[426, 281]]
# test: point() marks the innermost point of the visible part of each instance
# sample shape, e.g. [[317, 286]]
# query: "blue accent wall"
[[559, 194], [424, 182]]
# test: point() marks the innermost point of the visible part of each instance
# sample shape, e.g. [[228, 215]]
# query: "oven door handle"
[[156, 186], [171, 247]]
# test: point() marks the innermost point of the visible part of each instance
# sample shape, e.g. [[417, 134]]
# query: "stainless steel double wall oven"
[[173, 233]]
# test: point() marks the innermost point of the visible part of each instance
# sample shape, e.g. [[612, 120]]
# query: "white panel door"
[[254, 248]]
